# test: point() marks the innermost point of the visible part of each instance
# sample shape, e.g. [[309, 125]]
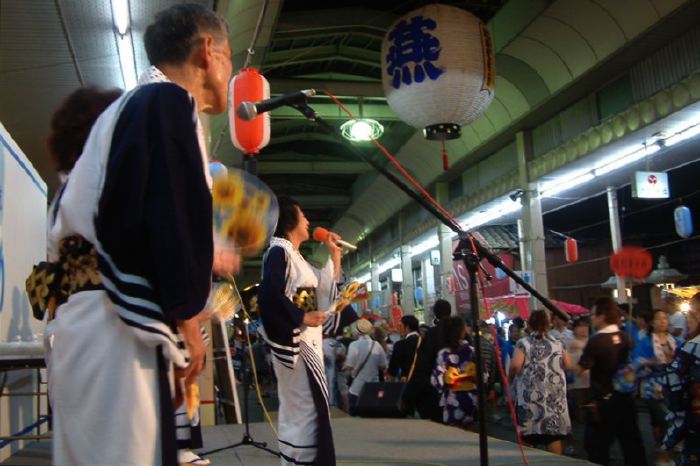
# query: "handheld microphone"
[[249, 110], [321, 234]]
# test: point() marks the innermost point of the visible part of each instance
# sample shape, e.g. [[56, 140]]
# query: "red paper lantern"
[[249, 136], [631, 262], [396, 313], [571, 250]]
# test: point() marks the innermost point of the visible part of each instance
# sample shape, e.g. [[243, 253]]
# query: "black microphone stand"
[[247, 438], [469, 250]]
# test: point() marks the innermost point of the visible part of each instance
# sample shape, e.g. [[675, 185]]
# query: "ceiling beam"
[[323, 52], [310, 33], [310, 201], [302, 60], [337, 88], [314, 168], [330, 111], [305, 136]]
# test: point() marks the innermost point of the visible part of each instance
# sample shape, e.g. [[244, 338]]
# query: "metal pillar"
[[445, 235], [407, 286], [376, 287], [616, 236], [532, 231], [446, 268]]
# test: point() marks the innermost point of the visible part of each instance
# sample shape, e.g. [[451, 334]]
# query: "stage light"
[[361, 130], [684, 306]]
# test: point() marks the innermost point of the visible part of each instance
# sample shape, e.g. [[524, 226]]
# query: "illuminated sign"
[[650, 185]]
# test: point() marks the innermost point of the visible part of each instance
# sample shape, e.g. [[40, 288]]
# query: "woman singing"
[[295, 337]]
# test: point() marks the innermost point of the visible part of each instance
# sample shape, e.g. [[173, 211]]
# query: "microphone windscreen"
[[320, 234]]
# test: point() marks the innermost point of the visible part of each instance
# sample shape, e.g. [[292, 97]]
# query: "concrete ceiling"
[[549, 53]]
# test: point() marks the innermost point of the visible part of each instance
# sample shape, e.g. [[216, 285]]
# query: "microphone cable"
[[245, 316]]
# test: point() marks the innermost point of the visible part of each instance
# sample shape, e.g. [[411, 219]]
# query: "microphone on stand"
[[321, 234], [249, 110]]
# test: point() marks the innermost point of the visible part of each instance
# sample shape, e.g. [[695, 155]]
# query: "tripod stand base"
[[245, 441]]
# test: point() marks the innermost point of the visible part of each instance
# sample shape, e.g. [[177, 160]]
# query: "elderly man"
[[134, 230], [365, 359]]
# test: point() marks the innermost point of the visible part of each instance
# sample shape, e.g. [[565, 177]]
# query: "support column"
[[407, 285], [521, 245], [445, 237], [376, 287], [446, 268], [532, 225], [616, 236], [428, 271]]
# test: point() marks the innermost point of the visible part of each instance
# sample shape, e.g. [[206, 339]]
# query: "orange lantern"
[[248, 136], [396, 311], [631, 262], [571, 250]]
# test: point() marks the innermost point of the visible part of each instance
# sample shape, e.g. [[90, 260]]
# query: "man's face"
[[514, 333], [219, 75]]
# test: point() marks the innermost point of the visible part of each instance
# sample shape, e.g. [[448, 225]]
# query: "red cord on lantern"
[[445, 160]]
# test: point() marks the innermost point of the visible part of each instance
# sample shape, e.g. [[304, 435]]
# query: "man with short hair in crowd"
[[611, 412], [419, 394], [404, 354], [560, 330]]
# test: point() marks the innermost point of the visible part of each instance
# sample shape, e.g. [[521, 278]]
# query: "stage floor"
[[357, 441], [384, 441]]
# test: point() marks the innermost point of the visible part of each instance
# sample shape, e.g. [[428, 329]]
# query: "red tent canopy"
[[519, 306]]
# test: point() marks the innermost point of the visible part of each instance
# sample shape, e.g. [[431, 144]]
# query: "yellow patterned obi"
[[461, 380], [51, 283]]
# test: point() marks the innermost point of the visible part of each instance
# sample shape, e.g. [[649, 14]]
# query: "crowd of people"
[[595, 371]]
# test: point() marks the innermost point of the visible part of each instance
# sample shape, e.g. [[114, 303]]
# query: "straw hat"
[[364, 326]]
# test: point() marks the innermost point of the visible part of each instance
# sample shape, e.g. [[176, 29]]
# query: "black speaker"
[[380, 399]]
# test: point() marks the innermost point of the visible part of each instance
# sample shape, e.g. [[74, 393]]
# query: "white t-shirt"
[[357, 352], [678, 321], [561, 335]]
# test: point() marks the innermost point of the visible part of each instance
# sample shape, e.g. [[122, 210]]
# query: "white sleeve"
[[326, 289], [382, 357], [352, 356]]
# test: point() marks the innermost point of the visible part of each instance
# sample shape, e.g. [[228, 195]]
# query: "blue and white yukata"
[[140, 195], [683, 399], [304, 427]]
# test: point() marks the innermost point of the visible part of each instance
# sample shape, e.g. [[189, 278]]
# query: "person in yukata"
[[293, 325], [454, 375], [133, 230]]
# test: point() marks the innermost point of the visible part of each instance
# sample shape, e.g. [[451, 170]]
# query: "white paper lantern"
[[438, 69]]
